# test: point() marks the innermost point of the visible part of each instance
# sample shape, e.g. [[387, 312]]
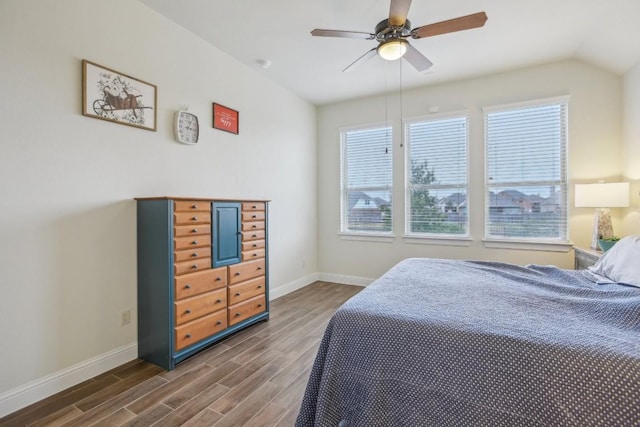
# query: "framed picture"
[[116, 97], [224, 118]]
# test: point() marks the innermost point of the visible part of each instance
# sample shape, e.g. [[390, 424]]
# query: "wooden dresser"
[[202, 273]]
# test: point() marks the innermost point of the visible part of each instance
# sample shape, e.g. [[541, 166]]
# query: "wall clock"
[[186, 128]]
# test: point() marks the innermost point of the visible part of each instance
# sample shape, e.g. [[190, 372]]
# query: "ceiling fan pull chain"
[[401, 111]]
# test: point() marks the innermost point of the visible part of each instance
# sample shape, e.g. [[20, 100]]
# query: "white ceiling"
[[518, 33]]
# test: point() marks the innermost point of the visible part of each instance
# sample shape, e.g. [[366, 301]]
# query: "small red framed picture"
[[226, 119]]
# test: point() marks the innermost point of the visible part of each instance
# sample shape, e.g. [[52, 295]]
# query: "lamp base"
[[602, 227]]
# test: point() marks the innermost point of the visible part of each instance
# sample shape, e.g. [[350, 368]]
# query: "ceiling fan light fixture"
[[393, 49]]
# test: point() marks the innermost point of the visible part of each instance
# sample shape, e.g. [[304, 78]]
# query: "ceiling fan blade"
[[398, 12], [364, 58], [346, 34], [452, 25], [418, 60]]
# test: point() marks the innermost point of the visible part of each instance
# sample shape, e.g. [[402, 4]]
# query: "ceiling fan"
[[392, 35]]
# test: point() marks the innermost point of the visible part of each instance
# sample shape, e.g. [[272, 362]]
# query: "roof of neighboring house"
[[358, 200]]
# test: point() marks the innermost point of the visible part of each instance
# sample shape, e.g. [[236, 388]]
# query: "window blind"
[[526, 172], [437, 176], [366, 180]]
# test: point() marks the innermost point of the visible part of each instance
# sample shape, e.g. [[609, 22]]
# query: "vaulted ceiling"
[[518, 33]]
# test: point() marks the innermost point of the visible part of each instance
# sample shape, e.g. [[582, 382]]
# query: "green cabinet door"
[[226, 233]]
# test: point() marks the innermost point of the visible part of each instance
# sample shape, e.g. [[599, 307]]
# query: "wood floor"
[[253, 378]]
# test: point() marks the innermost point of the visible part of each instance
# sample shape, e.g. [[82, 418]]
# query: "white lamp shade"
[[393, 49], [602, 195]]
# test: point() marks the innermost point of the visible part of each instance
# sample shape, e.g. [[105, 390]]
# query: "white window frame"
[[562, 243], [463, 239], [345, 233]]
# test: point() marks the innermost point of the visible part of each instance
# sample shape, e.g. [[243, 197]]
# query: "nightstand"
[[585, 258]]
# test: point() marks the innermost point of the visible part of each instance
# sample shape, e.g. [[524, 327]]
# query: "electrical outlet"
[[125, 317]]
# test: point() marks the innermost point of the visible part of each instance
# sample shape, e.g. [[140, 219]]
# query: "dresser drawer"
[[253, 206], [191, 206], [253, 216], [192, 308], [191, 254], [246, 270], [191, 242], [253, 254], [180, 218], [191, 266], [246, 309], [251, 245], [192, 332], [192, 284], [252, 225], [191, 230], [246, 290], [253, 235]]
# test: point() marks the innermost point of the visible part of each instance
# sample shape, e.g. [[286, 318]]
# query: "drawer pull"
[[195, 254], [218, 322], [237, 274], [194, 266], [254, 216], [259, 286], [218, 301], [259, 305], [194, 206], [195, 218], [255, 246], [254, 255], [218, 279], [195, 242], [254, 207], [187, 286], [195, 230], [255, 235], [237, 294], [254, 226], [187, 311], [259, 268], [237, 314], [187, 336]]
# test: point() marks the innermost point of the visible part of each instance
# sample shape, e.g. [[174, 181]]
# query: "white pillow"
[[621, 263]]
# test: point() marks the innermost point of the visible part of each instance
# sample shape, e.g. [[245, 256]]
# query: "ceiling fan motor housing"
[[386, 31]]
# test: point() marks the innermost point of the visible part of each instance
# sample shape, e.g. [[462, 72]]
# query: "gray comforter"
[[461, 343]]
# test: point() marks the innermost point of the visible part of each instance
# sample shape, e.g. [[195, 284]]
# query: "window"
[[366, 180], [526, 187], [437, 177]]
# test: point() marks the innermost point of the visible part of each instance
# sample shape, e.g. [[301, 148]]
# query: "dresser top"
[[207, 199]]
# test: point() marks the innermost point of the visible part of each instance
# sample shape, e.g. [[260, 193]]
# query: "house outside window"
[[526, 171], [366, 180], [437, 171]]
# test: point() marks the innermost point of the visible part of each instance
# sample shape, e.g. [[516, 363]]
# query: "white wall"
[[631, 91], [67, 223], [594, 153]]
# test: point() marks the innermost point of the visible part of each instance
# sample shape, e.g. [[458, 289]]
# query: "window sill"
[[528, 246], [437, 240], [368, 237]]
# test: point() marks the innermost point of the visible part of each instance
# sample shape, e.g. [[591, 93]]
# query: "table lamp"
[[602, 196]]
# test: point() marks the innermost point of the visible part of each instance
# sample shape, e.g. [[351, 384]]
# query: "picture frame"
[[116, 97], [226, 119]]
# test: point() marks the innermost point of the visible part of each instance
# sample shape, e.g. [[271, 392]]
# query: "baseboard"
[[345, 280], [42, 388], [307, 280], [292, 286]]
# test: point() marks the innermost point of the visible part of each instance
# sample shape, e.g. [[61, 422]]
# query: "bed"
[[438, 342]]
